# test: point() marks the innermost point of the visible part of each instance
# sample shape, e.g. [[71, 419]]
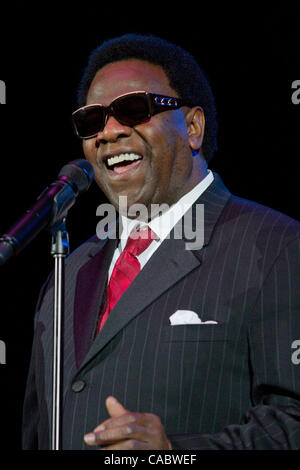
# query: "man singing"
[[168, 345]]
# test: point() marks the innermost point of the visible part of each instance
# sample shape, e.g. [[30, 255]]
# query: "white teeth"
[[123, 157]]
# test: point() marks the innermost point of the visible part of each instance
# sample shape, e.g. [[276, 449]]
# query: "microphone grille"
[[80, 173]]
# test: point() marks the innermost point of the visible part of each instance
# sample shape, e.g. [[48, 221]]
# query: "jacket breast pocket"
[[196, 333]]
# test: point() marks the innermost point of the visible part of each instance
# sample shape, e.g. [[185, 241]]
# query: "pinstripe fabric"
[[226, 386]]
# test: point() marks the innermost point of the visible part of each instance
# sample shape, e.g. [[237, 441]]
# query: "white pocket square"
[[188, 317]]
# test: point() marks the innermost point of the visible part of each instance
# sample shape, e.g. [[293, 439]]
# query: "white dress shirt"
[[162, 224]]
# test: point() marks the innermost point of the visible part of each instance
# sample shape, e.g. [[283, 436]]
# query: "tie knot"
[[139, 240]]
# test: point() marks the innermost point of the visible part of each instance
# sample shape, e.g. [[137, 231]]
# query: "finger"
[[129, 444], [114, 407], [126, 418], [144, 419], [116, 435], [116, 410]]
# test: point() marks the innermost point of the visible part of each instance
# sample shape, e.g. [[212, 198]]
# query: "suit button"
[[78, 386]]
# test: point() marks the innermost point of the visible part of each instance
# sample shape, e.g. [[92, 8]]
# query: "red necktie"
[[125, 270]]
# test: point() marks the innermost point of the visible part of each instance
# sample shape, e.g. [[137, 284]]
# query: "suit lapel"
[[178, 262], [90, 285], [145, 288], [214, 200]]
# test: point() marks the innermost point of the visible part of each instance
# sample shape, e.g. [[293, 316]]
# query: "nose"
[[113, 130]]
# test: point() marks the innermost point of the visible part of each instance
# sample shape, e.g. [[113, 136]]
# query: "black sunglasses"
[[130, 109]]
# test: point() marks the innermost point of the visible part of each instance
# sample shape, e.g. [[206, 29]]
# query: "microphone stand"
[[50, 211], [59, 250]]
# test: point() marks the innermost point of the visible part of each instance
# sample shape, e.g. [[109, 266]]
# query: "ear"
[[195, 126]]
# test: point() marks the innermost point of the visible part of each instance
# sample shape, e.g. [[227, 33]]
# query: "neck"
[[198, 172]]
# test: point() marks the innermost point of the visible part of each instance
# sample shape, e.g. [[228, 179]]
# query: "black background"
[[251, 57]]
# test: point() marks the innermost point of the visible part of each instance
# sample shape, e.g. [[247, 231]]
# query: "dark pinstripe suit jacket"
[[227, 386]]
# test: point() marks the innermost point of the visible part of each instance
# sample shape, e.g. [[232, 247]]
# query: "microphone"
[[50, 208]]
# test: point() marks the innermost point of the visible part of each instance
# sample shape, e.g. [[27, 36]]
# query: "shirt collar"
[[164, 223]]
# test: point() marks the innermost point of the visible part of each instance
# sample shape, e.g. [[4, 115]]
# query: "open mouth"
[[123, 163]]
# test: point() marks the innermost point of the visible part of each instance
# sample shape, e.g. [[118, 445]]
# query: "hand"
[[127, 430]]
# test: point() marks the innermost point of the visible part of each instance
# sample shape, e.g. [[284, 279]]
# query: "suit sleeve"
[[273, 422], [31, 412]]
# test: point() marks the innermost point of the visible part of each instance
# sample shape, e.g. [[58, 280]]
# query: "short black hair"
[[184, 74]]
